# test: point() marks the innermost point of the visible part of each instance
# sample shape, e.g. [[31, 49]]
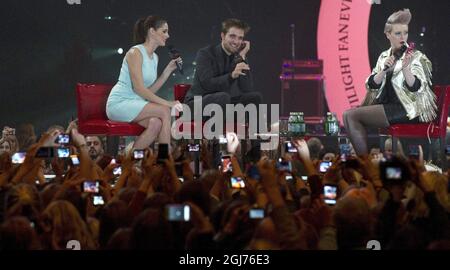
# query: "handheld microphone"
[[174, 54], [398, 54]]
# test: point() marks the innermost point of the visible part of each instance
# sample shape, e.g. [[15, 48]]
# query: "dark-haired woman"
[[133, 98]]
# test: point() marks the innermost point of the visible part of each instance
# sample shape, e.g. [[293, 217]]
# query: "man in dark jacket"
[[223, 75]]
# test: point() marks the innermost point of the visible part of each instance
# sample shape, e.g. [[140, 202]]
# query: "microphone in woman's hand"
[[174, 54], [397, 54]]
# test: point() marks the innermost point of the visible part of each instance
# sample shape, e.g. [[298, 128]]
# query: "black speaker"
[[303, 93]]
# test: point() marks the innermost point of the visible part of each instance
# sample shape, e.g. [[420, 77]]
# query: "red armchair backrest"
[[91, 101], [443, 102], [180, 90]]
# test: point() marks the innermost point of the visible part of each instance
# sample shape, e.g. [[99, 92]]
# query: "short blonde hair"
[[400, 17]]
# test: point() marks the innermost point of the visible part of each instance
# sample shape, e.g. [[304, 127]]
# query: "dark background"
[[48, 46]]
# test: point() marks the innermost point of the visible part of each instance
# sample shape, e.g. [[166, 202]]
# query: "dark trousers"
[[223, 98]]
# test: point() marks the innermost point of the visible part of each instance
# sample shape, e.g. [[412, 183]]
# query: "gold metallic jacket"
[[421, 103]]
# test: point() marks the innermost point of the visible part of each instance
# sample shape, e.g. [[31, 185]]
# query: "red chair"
[[92, 119], [434, 130]]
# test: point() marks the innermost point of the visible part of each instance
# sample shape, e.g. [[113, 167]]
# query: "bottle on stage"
[[331, 124], [296, 124]]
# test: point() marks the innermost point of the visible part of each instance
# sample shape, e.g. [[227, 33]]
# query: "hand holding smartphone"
[[330, 194], [226, 164], [289, 147], [237, 183], [178, 212]]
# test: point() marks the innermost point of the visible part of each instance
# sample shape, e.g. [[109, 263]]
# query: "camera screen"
[[178, 212], [117, 171], [75, 160], [226, 164], [324, 165], [237, 183], [330, 194], [63, 139], [194, 147], [304, 177], [138, 154], [63, 152], [91, 186], [18, 157], [98, 200], [223, 140], [345, 151], [284, 165], [289, 177], [393, 173], [256, 213], [290, 148]]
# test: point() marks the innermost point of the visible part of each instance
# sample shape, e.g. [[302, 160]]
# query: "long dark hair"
[[142, 26]]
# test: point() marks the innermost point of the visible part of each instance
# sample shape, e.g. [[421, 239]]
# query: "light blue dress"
[[123, 103]]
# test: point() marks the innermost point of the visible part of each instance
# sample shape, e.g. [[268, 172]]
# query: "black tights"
[[356, 122]]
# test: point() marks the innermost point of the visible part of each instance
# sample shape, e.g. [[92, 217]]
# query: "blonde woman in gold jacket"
[[399, 88]]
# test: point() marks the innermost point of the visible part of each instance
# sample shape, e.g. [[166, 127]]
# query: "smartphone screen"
[[63, 139], [256, 213], [283, 165], [289, 177], [194, 147], [178, 212], [138, 154], [324, 165], [74, 159], [330, 194], [91, 186], [345, 151], [18, 158], [98, 200], [393, 173], [289, 147], [226, 164], [223, 140], [117, 171], [237, 182], [63, 152]]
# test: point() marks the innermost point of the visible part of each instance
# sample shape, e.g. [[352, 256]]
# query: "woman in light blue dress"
[[133, 98]]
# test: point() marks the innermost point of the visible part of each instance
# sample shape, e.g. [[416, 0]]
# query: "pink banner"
[[342, 45]]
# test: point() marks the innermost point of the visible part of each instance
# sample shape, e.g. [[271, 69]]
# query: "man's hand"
[[239, 70], [244, 52]]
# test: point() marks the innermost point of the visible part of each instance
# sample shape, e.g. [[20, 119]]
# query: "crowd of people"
[[119, 202]]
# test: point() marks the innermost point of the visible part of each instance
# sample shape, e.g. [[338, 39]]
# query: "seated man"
[[223, 75]]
